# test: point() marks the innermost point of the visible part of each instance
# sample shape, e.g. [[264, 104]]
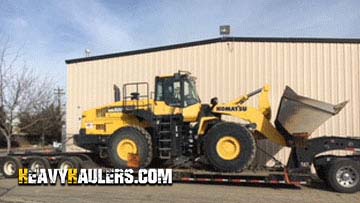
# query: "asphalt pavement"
[[11, 192]]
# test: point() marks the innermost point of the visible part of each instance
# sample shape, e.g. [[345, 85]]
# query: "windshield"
[[190, 95]]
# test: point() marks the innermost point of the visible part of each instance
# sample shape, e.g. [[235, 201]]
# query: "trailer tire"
[[135, 139], [344, 176], [69, 162], [229, 147], [38, 162], [321, 172], [10, 166]]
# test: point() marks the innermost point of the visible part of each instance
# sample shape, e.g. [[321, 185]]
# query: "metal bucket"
[[299, 115]]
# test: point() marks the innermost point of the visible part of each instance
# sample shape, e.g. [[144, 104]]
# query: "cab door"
[[191, 101]]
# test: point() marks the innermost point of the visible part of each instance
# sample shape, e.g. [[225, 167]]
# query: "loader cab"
[[178, 91]]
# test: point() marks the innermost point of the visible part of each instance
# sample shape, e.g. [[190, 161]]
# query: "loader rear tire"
[[229, 147], [132, 139]]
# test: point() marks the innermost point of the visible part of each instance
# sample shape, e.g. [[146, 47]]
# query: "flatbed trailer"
[[263, 176]]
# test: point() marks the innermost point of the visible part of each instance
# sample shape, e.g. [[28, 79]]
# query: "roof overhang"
[[215, 40]]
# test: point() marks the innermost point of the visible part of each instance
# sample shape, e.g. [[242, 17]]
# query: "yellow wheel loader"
[[175, 128]]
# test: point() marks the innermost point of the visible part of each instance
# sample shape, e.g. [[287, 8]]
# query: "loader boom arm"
[[264, 101], [260, 116]]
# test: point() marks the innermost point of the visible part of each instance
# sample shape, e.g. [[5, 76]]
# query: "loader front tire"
[[134, 140], [229, 147]]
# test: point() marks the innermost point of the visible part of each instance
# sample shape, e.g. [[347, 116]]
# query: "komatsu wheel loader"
[[175, 127]]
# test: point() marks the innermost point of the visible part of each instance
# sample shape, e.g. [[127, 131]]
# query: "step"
[[164, 148], [165, 154], [164, 123], [164, 131]]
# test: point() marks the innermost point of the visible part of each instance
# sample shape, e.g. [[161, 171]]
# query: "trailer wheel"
[[321, 172], [344, 176], [69, 162], [128, 140], [10, 166], [229, 147], [37, 163]]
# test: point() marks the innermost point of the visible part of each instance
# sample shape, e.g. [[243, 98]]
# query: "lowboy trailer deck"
[[340, 172]]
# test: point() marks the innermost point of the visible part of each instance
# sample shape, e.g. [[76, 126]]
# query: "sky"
[[49, 32]]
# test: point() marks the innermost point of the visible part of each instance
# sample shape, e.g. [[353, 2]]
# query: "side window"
[[177, 93], [159, 91], [169, 91], [172, 95]]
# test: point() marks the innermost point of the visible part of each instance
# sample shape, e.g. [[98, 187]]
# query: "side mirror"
[[214, 101], [116, 93]]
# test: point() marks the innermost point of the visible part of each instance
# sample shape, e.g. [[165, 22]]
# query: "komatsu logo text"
[[231, 108]]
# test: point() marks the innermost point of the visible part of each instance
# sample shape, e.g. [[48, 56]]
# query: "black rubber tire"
[[243, 136], [41, 160], [16, 163], [331, 175], [321, 172], [74, 161], [141, 138]]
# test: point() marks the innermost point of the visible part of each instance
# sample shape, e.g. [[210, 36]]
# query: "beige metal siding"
[[325, 71]]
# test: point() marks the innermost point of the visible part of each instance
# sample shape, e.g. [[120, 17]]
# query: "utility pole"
[[59, 93]]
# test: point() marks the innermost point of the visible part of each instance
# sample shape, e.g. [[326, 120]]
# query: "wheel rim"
[[66, 165], [10, 168], [228, 148], [347, 176], [36, 166], [126, 147]]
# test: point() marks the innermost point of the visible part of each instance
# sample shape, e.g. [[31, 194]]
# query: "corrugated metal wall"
[[325, 71]]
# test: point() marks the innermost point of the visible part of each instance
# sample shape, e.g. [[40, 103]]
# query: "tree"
[[47, 130], [21, 90]]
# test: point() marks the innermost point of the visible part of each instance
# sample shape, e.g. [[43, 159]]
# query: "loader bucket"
[[300, 116]]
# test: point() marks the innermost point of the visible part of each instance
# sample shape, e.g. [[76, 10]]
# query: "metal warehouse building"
[[324, 69]]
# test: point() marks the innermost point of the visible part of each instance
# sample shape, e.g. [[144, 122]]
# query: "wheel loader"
[[175, 128]]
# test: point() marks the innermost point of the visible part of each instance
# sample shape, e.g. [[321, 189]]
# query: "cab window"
[[190, 94], [169, 91], [177, 92]]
